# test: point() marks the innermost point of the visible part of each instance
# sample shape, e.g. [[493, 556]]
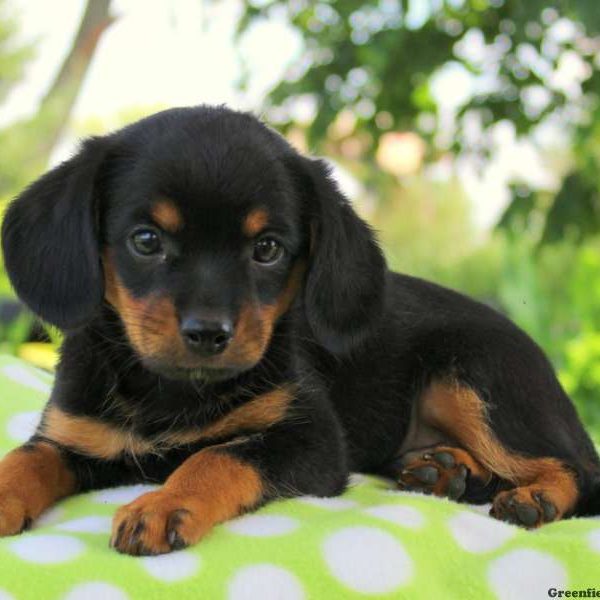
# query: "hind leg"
[[542, 488], [445, 471]]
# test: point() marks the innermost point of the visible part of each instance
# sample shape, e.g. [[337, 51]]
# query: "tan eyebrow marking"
[[167, 215], [255, 221]]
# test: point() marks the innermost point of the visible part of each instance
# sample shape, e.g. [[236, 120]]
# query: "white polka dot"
[[90, 524], [96, 590], [482, 509], [22, 426], [266, 582], [330, 503], [47, 549], [525, 574], [262, 525], [476, 533], [172, 567], [594, 539], [123, 494], [407, 516], [367, 560], [50, 517], [6, 596], [25, 376]]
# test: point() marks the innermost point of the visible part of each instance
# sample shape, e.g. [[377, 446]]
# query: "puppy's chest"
[[132, 434]]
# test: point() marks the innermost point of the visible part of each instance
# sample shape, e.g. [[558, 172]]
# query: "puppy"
[[232, 333]]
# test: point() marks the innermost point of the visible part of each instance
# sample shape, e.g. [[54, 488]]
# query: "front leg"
[[221, 482], [210, 487], [32, 478]]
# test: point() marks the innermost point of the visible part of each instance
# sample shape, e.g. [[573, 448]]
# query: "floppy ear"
[[50, 241], [345, 285]]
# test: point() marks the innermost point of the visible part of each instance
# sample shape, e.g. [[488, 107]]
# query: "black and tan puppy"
[[232, 332]]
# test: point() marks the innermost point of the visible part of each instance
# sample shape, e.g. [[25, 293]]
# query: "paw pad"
[[523, 507], [445, 459], [458, 484], [427, 475], [434, 472]]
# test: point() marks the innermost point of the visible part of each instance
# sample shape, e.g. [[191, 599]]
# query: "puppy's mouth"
[[200, 374]]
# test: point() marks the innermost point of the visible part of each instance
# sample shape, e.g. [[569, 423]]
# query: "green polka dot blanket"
[[372, 542]]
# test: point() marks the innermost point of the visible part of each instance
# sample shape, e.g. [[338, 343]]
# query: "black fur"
[[344, 293], [359, 343], [61, 282]]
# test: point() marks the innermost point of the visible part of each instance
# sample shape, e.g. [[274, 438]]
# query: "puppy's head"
[[200, 227]]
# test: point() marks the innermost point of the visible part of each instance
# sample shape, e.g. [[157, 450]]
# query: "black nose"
[[206, 337]]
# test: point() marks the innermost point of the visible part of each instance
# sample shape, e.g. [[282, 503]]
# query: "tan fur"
[[102, 440], [256, 323], [150, 322], [556, 485], [92, 437], [256, 415], [255, 222], [208, 488], [152, 326], [31, 480], [458, 412], [167, 216]]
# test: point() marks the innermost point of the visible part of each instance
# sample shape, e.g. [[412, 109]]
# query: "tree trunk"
[[29, 143], [61, 97]]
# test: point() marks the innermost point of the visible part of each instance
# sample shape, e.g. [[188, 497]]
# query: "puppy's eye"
[[267, 251], [146, 241]]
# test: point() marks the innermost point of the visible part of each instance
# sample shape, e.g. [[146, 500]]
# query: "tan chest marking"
[[102, 440]]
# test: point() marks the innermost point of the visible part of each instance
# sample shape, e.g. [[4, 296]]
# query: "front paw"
[[156, 523], [13, 514]]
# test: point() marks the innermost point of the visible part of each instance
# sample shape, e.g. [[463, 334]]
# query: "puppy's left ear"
[[50, 241], [345, 285]]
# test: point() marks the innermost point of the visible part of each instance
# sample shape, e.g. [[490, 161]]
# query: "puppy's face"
[[203, 249], [199, 227]]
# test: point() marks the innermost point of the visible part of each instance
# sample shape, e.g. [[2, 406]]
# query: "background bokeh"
[[466, 131]]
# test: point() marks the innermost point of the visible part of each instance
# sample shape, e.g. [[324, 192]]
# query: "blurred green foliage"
[[16, 140], [523, 62], [378, 56], [13, 56], [13, 59], [554, 294]]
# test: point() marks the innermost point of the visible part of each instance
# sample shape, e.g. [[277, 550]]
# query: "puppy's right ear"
[[50, 241]]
